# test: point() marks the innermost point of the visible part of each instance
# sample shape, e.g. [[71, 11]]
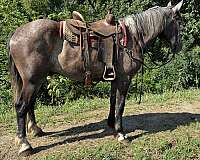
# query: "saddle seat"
[[101, 27]]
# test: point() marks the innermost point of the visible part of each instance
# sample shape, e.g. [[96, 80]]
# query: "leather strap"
[[87, 60], [123, 26]]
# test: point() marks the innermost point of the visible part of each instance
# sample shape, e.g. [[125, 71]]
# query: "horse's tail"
[[16, 81]]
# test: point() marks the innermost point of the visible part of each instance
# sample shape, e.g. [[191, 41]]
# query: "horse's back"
[[34, 29]]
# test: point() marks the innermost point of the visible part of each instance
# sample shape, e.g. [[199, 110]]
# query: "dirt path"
[[138, 119]]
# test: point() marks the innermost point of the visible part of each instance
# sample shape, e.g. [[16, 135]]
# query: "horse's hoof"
[[122, 138], [26, 148], [26, 151]]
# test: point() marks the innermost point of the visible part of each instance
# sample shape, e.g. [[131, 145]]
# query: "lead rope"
[[141, 86], [142, 45]]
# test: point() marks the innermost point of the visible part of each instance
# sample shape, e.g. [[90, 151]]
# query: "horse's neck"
[[147, 25], [153, 25]]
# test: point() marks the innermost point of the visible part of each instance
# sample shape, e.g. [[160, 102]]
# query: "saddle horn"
[[109, 17]]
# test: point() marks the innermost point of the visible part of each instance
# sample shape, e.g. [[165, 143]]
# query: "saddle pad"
[[69, 35]]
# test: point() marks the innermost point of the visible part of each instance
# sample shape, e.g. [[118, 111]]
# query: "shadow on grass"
[[148, 122]]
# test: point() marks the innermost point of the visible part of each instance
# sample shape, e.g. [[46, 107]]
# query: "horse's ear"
[[177, 7], [169, 4]]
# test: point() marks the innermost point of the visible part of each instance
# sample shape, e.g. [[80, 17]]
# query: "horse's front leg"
[[121, 92], [22, 106], [111, 116]]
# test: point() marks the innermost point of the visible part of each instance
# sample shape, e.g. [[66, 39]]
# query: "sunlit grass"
[[182, 142], [179, 144]]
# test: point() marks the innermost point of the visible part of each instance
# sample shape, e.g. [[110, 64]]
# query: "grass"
[[180, 143], [7, 113]]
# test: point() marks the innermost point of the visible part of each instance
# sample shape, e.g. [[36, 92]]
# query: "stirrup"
[[109, 73]]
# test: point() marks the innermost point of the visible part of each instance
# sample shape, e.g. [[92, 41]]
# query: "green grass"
[[172, 97], [109, 150], [75, 109], [180, 143]]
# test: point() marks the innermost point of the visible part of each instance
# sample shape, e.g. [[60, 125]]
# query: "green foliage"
[[62, 89], [11, 16]]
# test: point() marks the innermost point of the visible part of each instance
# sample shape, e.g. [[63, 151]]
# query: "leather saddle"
[[103, 29]]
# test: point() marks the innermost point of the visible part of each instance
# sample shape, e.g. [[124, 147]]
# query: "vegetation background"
[[167, 123], [183, 72]]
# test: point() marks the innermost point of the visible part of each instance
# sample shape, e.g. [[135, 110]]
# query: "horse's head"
[[171, 31]]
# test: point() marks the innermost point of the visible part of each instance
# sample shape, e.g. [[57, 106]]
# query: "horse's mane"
[[150, 22]]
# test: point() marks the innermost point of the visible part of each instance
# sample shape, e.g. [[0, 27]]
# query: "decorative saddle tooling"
[[88, 35]]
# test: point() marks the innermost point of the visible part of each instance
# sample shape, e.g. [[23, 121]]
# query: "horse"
[[36, 49]]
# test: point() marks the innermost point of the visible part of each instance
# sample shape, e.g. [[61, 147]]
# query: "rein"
[[130, 53]]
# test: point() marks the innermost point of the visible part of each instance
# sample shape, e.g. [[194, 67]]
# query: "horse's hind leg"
[[22, 106], [31, 121]]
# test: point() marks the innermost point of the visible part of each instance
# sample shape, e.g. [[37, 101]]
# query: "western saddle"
[[88, 35]]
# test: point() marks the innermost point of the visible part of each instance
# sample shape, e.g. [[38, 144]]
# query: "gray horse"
[[36, 49]]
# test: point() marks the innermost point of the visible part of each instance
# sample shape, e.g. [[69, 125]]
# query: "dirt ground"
[[136, 122]]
